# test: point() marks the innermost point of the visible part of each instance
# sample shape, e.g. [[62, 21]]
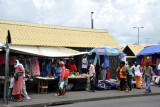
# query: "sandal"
[[19, 100]]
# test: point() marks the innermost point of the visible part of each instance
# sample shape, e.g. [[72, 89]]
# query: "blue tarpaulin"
[[149, 51]]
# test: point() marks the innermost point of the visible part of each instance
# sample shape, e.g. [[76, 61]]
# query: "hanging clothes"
[[29, 66], [154, 58], [34, 66], [123, 57], [84, 63], [37, 66], [11, 60], [108, 73], [139, 59], [1, 59], [145, 58], [106, 62], [97, 58]]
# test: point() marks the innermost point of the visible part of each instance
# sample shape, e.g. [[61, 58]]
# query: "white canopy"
[[1, 45], [45, 51]]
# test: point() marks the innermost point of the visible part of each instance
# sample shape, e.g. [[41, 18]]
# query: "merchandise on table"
[[79, 76], [37, 77]]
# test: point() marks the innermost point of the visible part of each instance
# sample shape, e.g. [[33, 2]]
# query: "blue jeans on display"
[[148, 83]]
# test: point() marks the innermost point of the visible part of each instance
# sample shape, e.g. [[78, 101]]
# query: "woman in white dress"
[[138, 75]]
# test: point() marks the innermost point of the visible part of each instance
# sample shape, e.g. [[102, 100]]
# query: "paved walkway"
[[39, 100]]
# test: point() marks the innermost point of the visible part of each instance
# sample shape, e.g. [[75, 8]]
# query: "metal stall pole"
[[6, 69]]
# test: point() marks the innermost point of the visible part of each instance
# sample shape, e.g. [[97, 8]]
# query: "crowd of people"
[[60, 70], [50, 68], [126, 74]]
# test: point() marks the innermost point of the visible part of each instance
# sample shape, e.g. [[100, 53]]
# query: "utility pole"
[[92, 26]]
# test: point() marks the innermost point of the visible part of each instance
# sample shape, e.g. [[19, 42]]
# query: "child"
[[11, 86]]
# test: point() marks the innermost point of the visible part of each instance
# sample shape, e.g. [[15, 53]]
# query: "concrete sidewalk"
[[39, 100]]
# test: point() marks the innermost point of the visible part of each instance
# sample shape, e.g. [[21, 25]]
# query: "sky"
[[118, 17]]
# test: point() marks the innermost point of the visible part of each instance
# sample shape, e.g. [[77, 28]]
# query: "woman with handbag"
[[123, 73], [130, 71], [17, 89]]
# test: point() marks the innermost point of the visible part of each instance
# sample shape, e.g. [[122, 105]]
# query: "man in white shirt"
[[24, 91], [92, 75]]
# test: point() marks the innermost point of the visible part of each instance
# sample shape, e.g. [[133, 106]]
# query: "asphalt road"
[[147, 101]]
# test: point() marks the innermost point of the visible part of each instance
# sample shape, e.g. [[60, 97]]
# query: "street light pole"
[[92, 26], [138, 32]]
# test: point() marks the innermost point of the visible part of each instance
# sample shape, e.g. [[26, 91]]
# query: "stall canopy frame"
[[45, 51]]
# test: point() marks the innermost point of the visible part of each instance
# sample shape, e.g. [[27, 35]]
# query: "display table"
[[43, 84]]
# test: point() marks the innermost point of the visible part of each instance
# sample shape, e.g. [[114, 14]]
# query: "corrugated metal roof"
[[136, 48], [33, 34]]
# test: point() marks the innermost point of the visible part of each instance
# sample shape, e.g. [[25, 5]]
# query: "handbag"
[[20, 73], [16, 77], [124, 73], [61, 85]]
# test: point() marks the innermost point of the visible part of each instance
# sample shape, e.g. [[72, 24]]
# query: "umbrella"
[[1, 45], [105, 50], [149, 50]]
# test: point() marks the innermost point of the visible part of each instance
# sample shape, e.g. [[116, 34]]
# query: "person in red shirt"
[[73, 68], [69, 64]]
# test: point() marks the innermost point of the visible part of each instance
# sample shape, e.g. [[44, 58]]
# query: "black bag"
[[16, 77], [124, 73]]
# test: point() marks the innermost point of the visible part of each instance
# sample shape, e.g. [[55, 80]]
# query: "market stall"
[[107, 58], [36, 58], [151, 54]]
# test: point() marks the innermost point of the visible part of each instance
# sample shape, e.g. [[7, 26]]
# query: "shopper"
[[20, 58], [147, 74], [11, 86], [64, 78], [58, 69], [130, 70], [138, 75], [24, 91], [92, 76], [122, 74], [18, 85], [53, 67], [47, 69]]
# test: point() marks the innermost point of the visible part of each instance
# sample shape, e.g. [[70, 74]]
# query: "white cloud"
[[117, 16]]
